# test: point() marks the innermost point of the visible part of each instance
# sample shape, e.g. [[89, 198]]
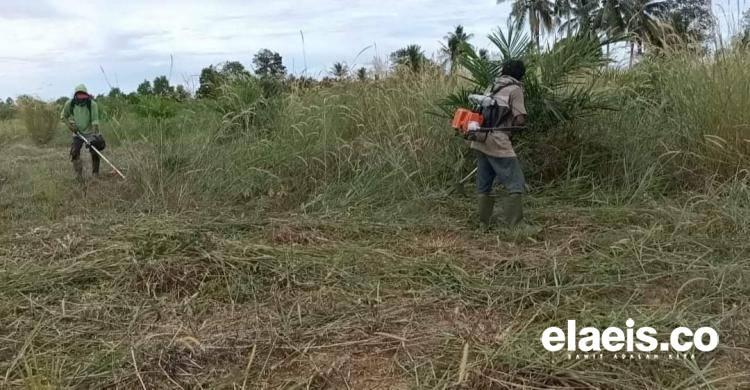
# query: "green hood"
[[80, 88]]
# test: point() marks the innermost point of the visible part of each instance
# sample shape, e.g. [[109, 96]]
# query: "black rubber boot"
[[513, 209], [78, 168], [95, 164], [486, 208]]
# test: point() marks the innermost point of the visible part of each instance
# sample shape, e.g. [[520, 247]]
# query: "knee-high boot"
[[513, 209], [486, 208]]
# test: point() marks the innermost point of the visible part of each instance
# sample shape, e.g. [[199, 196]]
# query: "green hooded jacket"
[[79, 113]]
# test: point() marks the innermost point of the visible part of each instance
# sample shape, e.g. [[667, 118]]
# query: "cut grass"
[[201, 298]]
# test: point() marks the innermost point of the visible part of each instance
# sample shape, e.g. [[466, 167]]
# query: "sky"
[[49, 46]]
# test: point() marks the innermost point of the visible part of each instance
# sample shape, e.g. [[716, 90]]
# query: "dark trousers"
[[75, 152], [507, 170]]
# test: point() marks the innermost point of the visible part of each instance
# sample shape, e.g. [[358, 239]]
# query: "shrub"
[[7, 111], [158, 107], [40, 120], [113, 108], [248, 104]]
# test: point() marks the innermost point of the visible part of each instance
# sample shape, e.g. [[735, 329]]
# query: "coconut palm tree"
[[642, 21], [411, 57], [539, 13], [454, 46], [362, 74], [610, 19], [340, 70], [579, 15]]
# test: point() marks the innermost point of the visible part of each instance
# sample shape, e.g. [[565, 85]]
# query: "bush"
[[112, 108], [248, 104], [155, 107], [40, 120], [7, 111]]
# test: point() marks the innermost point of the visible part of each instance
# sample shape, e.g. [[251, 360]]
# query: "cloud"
[[49, 47], [24, 9]]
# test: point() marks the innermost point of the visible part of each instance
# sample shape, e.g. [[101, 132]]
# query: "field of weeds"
[[321, 247]]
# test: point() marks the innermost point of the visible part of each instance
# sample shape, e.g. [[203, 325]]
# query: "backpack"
[[495, 113]]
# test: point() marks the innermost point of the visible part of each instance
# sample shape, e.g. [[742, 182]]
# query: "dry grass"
[[103, 297], [40, 119]]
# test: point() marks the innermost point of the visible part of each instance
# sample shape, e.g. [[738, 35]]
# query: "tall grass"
[[680, 125], [350, 143], [40, 120], [707, 104]]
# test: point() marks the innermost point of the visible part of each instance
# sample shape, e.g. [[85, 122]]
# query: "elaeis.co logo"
[[629, 343]]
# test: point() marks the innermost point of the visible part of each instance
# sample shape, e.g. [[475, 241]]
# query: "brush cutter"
[[469, 124], [92, 147]]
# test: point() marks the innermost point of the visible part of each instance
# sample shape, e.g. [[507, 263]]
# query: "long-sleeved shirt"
[[83, 118], [498, 144]]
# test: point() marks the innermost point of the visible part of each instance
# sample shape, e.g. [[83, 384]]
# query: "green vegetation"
[[280, 232], [7, 109], [40, 119]]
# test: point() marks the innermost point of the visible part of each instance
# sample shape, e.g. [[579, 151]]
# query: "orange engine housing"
[[463, 117]]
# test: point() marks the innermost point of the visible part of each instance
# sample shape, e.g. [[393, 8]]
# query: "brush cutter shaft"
[[99, 153], [465, 179], [491, 129], [481, 134]]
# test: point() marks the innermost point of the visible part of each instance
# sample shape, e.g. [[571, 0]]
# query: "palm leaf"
[[482, 70], [559, 85], [514, 44]]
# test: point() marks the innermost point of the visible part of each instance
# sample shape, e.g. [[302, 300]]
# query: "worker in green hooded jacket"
[[81, 115]]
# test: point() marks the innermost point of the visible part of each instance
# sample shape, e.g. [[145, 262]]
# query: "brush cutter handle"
[[92, 147]]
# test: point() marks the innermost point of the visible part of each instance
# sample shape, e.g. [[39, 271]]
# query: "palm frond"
[[514, 44], [569, 58], [448, 105], [482, 71], [558, 85]]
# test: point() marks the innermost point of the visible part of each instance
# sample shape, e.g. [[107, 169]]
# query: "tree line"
[[636, 22]]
